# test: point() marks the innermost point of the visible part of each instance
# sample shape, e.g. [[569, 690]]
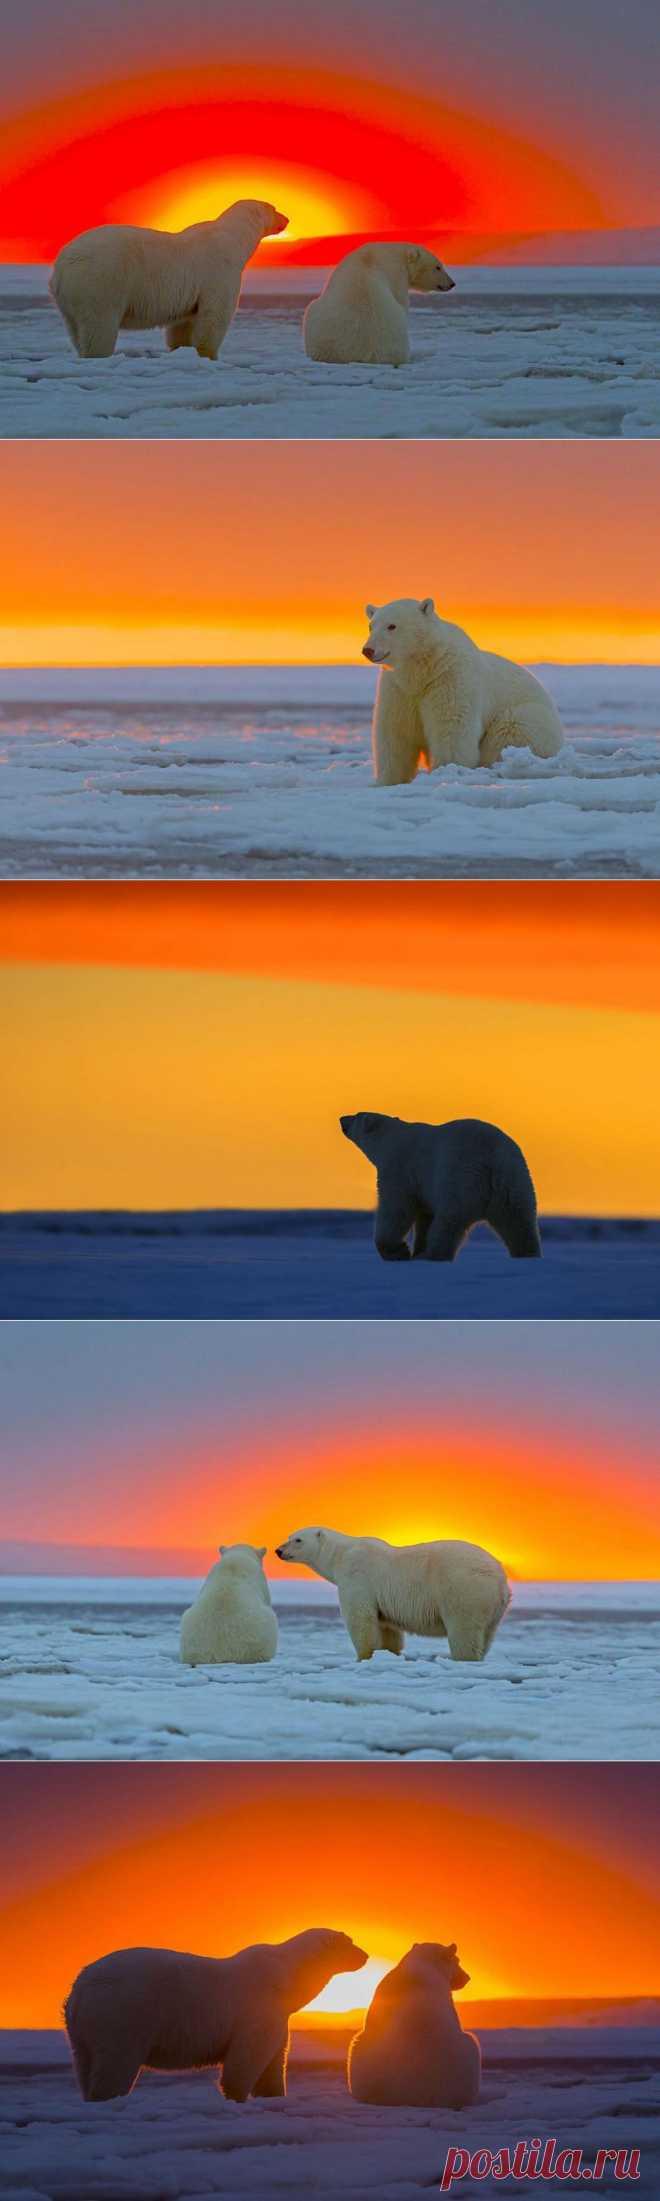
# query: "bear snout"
[[346, 1123], [368, 652], [447, 283]]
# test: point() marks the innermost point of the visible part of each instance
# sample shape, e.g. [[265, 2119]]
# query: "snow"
[[175, 2139], [313, 1264], [565, 352], [267, 773], [93, 1671]]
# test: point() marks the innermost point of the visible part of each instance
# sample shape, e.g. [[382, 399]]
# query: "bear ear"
[[370, 610], [427, 604], [222, 1548], [261, 1550]]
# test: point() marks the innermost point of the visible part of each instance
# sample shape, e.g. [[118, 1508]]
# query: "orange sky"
[[98, 565], [219, 1080], [132, 1857]]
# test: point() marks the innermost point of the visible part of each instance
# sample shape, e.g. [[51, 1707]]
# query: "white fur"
[[412, 2050], [162, 2010], [232, 1622], [362, 312], [445, 1589], [438, 1180], [186, 281], [441, 700]]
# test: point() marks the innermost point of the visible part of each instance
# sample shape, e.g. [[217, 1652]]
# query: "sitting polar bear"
[[232, 1622], [186, 281], [441, 700], [438, 1180], [362, 313], [446, 1589], [412, 2052], [162, 2010]]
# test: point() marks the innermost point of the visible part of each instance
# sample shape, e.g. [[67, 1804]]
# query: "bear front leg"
[[451, 734], [256, 2044], [422, 1226], [395, 1216], [361, 1619], [391, 1639], [212, 321], [272, 2081], [396, 735], [179, 333]]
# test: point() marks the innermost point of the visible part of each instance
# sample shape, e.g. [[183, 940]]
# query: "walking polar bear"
[[442, 1589], [162, 2010], [186, 281], [412, 2051], [232, 1622], [442, 700], [361, 315], [438, 1180]]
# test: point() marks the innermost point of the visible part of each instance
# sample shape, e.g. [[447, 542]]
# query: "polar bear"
[[412, 2051], [443, 1589], [441, 1179], [163, 2010], [442, 700], [361, 315], [232, 1622], [186, 281]]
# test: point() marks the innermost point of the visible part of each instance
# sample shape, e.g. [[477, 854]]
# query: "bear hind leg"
[[517, 1227], [395, 1216], [445, 1236]]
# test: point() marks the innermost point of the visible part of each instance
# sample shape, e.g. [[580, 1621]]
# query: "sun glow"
[[316, 205], [349, 1993]]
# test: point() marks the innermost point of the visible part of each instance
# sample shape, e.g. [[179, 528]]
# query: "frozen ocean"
[[90, 1668], [524, 352], [266, 773]]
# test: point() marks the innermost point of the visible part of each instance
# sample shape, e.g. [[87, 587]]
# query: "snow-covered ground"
[[175, 2139], [92, 1670], [266, 773], [313, 1264], [509, 352]]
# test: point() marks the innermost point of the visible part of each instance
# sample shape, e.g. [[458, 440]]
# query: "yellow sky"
[[154, 1088]]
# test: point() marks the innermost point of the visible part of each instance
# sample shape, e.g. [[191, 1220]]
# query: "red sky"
[[366, 121]]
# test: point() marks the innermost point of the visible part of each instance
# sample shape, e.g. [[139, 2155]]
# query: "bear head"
[[424, 1962], [425, 272], [366, 1131], [402, 635], [269, 222], [244, 1555], [312, 1547]]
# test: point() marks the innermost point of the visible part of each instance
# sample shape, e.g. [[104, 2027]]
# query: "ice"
[[267, 774], [175, 2139], [314, 1264], [92, 1671], [524, 352]]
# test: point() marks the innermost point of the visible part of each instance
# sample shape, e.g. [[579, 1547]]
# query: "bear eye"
[[392, 628]]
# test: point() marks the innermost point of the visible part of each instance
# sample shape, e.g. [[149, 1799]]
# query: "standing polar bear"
[[445, 1589], [186, 281], [162, 2010], [438, 1180], [441, 700], [232, 1622], [361, 316], [412, 2051]]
